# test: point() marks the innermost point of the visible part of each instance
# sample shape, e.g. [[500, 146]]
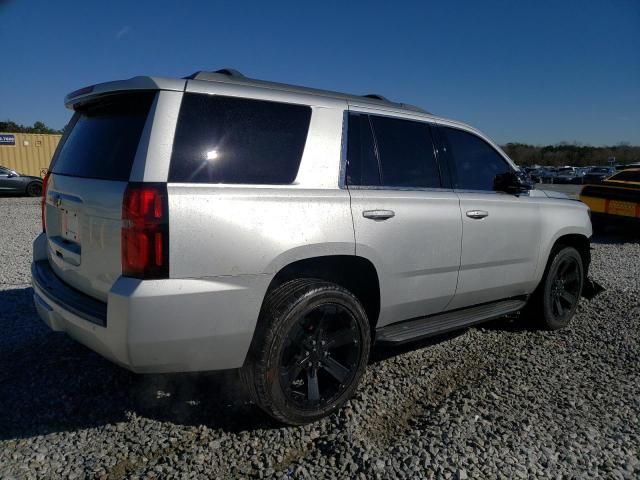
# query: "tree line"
[[521, 153], [571, 154], [9, 126]]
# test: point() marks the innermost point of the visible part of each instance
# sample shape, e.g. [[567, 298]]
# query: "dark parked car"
[[597, 174], [567, 175], [15, 183]]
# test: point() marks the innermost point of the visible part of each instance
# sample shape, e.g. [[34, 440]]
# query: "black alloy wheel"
[[321, 356], [565, 287], [554, 303], [309, 351]]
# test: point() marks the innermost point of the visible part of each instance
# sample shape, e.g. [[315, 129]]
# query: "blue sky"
[[530, 71]]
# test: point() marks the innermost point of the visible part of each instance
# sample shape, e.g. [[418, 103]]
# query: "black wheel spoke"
[[558, 305], [571, 277], [568, 297], [291, 374], [313, 389], [336, 369], [327, 312], [340, 338]]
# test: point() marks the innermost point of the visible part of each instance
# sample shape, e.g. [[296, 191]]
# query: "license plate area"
[[69, 227], [617, 207]]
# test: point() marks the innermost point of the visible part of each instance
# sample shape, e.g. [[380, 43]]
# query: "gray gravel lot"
[[502, 401]]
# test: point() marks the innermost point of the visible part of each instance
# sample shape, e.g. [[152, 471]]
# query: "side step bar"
[[406, 331]]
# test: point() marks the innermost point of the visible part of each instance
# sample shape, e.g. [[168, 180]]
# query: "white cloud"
[[122, 32]]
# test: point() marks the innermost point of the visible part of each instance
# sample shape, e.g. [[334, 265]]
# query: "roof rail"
[[235, 74], [229, 72], [406, 106], [375, 96]]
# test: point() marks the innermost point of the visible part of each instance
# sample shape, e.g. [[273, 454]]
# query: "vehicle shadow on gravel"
[[613, 235], [50, 383]]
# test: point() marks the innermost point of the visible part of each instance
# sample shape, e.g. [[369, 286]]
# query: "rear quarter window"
[[237, 140], [103, 138]]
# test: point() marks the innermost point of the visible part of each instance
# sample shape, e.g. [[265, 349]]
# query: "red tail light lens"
[[145, 231], [43, 202]]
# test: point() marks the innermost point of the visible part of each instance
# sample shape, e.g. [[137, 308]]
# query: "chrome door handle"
[[378, 214], [477, 214]]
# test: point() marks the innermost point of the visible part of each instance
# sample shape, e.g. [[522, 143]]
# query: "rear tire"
[[34, 189], [554, 303], [309, 352]]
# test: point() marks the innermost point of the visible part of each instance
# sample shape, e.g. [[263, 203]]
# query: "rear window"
[[103, 137], [407, 158], [362, 162], [236, 140]]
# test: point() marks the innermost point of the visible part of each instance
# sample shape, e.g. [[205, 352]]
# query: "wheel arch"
[[356, 274], [579, 241]]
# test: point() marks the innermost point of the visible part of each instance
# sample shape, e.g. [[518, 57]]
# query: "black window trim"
[[431, 124], [451, 167]]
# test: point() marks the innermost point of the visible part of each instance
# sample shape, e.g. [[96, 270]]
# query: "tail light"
[[145, 231], [43, 202]]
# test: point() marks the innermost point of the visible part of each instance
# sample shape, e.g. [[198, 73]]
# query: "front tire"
[[555, 301], [309, 353]]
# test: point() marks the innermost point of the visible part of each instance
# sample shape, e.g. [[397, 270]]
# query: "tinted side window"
[[407, 158], [236, 140], [362, 162], [475, 163]]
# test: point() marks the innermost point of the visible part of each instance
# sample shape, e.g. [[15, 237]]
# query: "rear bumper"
[[156, 326]]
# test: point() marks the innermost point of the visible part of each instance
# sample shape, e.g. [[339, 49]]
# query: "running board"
[[402, 332]]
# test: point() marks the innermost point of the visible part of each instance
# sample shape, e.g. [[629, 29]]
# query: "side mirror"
[[12, 174], [511, 182]]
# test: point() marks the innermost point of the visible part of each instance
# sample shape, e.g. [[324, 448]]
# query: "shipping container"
[[27, 153]]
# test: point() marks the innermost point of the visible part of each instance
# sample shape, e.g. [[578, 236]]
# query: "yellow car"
[[616, 200]]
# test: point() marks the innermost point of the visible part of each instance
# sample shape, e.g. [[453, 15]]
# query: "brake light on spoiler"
[[145, 231]]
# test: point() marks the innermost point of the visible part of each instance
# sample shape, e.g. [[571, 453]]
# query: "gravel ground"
[[502, 401]]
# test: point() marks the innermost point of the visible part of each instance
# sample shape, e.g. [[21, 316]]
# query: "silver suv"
[[219, 222]]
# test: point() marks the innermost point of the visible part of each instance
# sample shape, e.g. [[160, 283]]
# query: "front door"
[[500, 231]]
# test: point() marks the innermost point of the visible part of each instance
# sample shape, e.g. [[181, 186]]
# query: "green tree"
[[9, 126]]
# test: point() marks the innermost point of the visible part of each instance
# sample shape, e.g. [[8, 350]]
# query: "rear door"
[[89, 174], [500, 232], [406, 220]]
